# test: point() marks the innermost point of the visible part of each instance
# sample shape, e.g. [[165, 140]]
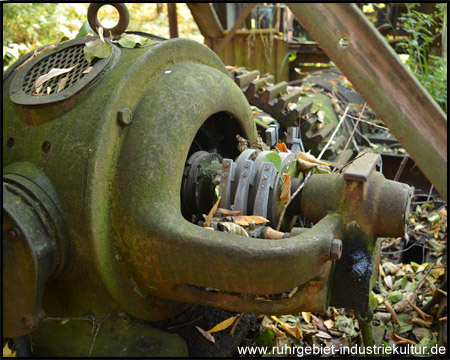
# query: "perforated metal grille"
[[63, 59]]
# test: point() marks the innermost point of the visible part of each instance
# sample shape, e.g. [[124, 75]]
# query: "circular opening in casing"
[[10, 143], [46, 147], [344, 41]]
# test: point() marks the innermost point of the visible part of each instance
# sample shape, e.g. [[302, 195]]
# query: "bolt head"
[[124, 116], [147, 345], [13, 233]]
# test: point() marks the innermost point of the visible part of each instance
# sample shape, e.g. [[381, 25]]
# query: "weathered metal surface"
[[63, 56], [34, 246], [111, 336], [380, 77], [372, 208], [124, 18], [116, 157]]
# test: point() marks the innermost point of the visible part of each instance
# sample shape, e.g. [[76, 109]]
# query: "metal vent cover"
[[62, 57]]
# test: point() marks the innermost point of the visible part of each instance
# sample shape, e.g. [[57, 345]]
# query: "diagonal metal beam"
[[235, 27], [377, 73]]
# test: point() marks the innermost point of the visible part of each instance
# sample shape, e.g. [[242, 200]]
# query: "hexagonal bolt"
[[336, 249], [124, 116], [147, 345], [13, 233]]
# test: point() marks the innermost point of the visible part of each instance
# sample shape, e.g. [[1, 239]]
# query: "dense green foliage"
[[430, 69], [27, 26]]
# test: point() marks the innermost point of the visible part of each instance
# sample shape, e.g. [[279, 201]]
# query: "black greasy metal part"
[[194, 195], [124, 18], [351, 286], [63, 56]]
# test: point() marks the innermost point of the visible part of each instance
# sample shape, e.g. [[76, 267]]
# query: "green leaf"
[[96, 49], [400, 283], [345, 325], [394, 296], [265, 339], [434, 217], [405, 328], [275, 159], [130, 40], [409, 286], [84, 30]]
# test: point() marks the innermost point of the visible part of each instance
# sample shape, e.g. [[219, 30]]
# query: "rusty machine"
[[104, 183]]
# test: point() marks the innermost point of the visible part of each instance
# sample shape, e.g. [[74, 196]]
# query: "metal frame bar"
[[368, 61]]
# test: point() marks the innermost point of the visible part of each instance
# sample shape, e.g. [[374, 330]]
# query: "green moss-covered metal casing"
[[113, 155], [119, 182]]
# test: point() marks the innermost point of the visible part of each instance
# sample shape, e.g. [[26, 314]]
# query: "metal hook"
[[124, 18]]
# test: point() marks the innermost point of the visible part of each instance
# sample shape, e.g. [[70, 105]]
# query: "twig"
[[368, 122], [334, 133], [424, 315], [396, 241], [95, 337], [351, 135], [361, 155], [291, 198], [427, 273], [283, 211], [87, 318], [429, 194], [393, 313], [347, 125], [238, 320], [400, 168], [181, 325]]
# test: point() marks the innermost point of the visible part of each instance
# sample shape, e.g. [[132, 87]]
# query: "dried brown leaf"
[[206, 335], [388, 281], [87, 70], [329, 324], [306, 316], [428, 318], [36, 53], [51, 74], [286, 192], [323, 335], [400, 340], [293, 330], [244, 220], [310, 158], [223, 325], [62, 84], [416, 321], [282, 147], [225, 212], [392, 311], [293, 292], [211, 213]]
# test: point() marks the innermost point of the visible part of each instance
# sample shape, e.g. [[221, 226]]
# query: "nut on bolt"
[[336, 249], [124, 116]]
